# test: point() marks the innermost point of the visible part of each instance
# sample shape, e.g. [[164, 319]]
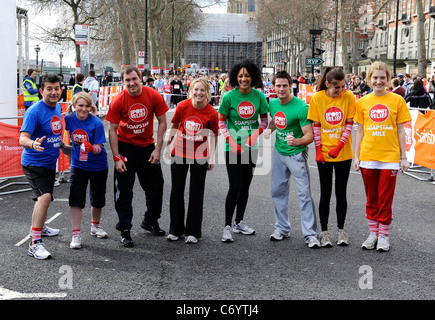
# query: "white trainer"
[[227, 236], [312, 242], [98, 232], [278, 236], [383, 243], [76, 242], [371, 241], [46, 231], [191, 240], [243, 228], [325, 239], [39, 251]]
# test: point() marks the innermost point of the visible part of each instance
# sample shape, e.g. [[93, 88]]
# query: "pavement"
[[251, 270]]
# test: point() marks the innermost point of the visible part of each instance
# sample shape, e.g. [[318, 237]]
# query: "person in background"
[[418, 97], [167, 93], [407, 84], [78, 87], [380, 152], [92, 86], [30, 90], [397, 88], [88, 164], [72, 80]]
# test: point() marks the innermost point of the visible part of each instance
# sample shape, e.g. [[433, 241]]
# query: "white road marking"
[[6, 294]]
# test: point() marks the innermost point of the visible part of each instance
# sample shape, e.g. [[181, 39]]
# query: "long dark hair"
[[330, 74]]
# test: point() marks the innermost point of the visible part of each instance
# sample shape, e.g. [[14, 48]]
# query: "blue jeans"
[[282, 168]]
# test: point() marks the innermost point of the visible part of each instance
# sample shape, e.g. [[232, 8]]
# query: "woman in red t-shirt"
[[195, 128], [167, 91]]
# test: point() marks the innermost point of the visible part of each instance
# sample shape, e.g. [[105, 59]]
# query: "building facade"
[[220, 45]]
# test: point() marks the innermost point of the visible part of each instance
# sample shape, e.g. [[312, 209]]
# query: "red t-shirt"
[[195, 127], [167, 88], [135, 115]]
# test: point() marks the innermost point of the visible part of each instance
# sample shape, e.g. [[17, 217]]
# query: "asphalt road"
[[252, 268]]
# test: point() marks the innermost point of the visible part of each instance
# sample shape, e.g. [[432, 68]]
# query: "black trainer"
[[153, 227], [126, 238]]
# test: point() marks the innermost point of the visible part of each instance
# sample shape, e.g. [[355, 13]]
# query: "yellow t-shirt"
[[332, 114], [379, 116]]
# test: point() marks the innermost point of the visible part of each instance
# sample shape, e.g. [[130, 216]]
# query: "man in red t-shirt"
[[131, 130]]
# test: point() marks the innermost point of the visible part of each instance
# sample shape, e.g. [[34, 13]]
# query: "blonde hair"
[[206, 84], [81, 95], [378, 66]]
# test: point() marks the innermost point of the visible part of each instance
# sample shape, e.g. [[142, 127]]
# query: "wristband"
[[119, 157], [33, 143], [404, 158]]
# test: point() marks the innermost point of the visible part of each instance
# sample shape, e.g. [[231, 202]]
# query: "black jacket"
[[419, 98]]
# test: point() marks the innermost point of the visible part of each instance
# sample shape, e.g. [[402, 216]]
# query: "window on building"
[[251, 6]]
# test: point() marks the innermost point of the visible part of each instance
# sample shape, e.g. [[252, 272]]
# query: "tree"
[[287, 24], [422, 61], [69, 13]]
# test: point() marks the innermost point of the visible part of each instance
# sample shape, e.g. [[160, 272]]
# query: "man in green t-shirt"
[[293, 133]]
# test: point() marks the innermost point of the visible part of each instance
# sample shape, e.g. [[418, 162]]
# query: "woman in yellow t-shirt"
[[332, 109], [380, 152]]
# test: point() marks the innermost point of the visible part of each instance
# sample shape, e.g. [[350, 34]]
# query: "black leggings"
[[342, 169], [198, 172], [240, 169]]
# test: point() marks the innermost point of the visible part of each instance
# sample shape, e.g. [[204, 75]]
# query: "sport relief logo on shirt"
[[379, 113], [246, 109], [334, 116], [79, 136], [137, 113], [280, 120], [193, 125], [56, 125]]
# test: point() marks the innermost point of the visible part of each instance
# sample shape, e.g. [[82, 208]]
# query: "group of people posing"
[[243, 115]]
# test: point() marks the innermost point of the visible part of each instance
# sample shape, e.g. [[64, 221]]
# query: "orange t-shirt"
[[379, 116], [135, 115], [332, 114]]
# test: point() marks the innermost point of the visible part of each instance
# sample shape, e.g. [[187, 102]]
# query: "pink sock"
[[95, 224], [384, 229], [36, 235], [76, 232], [373, 226]]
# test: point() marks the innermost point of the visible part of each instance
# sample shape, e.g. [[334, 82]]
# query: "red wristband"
[[119, 157]]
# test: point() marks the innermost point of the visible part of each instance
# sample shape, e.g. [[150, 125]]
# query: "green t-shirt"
[[242, 111], [289, 119]]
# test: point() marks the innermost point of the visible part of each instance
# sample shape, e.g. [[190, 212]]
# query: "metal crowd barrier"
[[7, 182]]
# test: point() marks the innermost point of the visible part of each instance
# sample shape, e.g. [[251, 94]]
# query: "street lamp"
[[60, 56], [37, 49], [234, 50]]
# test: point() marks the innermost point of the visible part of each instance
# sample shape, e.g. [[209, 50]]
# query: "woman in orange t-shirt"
[[195, 128], [332, 109], [380, 152]]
